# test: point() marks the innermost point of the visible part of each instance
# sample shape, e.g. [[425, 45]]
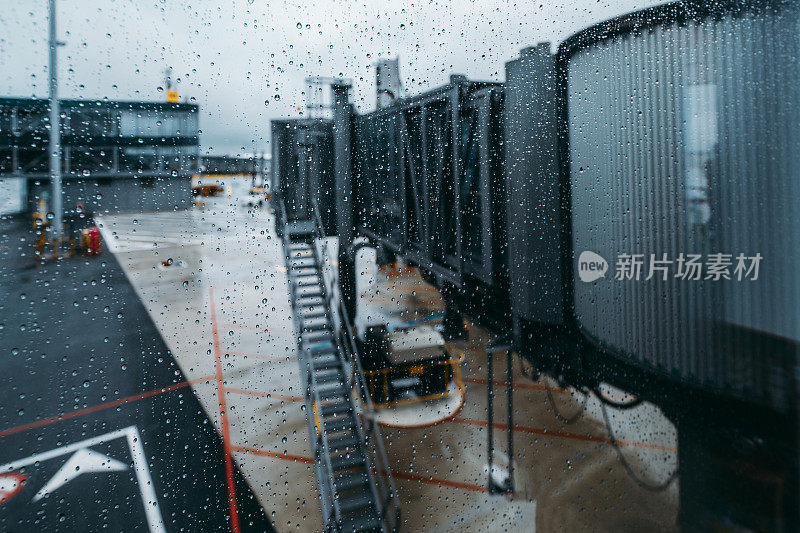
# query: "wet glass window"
[[389, 267]]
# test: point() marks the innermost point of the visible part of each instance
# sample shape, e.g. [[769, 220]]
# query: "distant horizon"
[[245, 63]]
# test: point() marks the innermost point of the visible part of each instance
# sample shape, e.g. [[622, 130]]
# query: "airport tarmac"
[[100, 430], [213, 281]]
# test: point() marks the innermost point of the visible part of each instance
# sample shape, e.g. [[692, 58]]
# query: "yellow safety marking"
[[454, 362], [220, 176], [416, 370]]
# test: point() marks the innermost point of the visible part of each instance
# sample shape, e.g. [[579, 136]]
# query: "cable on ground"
[[616, 405], [651, 487], [557, 413]]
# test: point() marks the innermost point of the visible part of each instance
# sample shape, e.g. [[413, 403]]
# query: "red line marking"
[[530, 386], [224, 325], [436, 481], [19, 479], [448, 418], [565, 434], [533, 386], [227, 325], [274, 455], [226, 437], [269, 395], [482, 423], [408, 476], [273, 358], [102, 406]]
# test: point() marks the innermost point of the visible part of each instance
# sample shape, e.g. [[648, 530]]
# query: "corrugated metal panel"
[[685, 138]]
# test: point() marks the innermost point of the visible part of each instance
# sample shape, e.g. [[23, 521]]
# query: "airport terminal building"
[[117, 156]]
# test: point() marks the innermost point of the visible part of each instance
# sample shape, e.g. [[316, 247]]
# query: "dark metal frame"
[[428, 131], [500, 345], [303, 170]]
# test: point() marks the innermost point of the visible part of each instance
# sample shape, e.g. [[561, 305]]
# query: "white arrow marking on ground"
[[84, 461], [143, 478]]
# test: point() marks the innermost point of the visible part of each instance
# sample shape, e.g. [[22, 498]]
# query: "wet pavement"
[[100, 429], [222, 309]]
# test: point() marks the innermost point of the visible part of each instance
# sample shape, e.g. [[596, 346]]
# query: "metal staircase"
[[357, 492]]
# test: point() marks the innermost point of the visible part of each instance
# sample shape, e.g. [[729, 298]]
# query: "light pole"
[[55, 128]]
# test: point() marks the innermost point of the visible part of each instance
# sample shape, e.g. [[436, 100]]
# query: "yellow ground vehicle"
[[212, 189], [408, 365]]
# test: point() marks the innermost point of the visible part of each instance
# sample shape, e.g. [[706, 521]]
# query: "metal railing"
[[385, 491], [378, 469], [321, 461], [322, 454]]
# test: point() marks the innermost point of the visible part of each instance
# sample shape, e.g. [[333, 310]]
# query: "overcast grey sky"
[[244, 61]]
